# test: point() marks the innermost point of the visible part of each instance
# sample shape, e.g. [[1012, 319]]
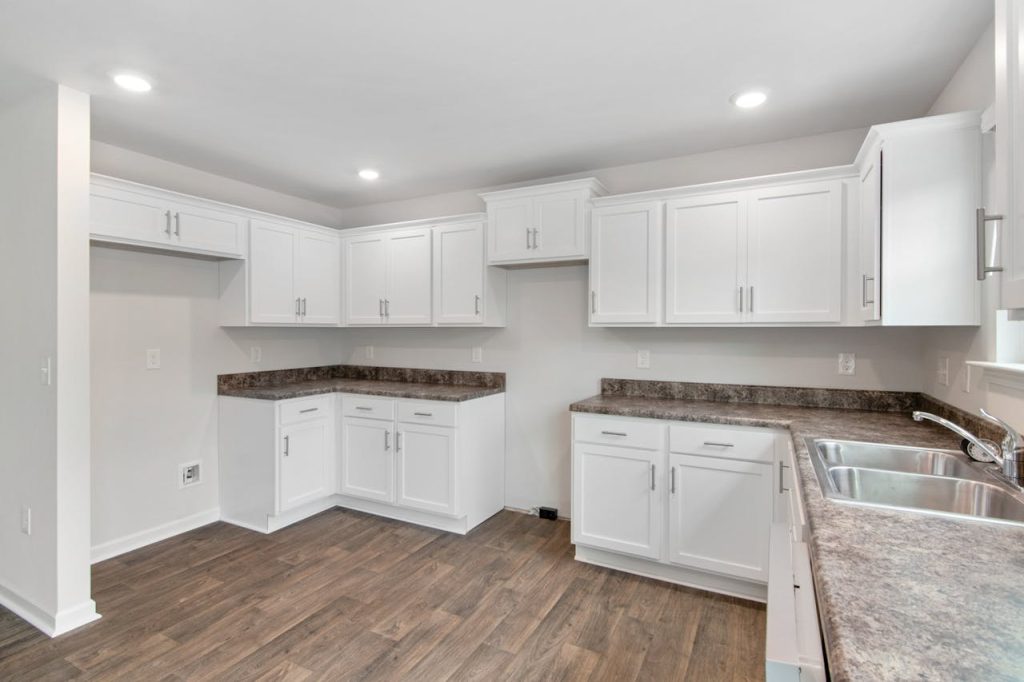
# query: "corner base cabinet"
[[683, 502], [433, 463]]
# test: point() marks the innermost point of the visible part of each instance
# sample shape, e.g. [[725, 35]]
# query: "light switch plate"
[[153, 358], [967, 378], [478, 354], [255, 355], [942, 371], [643, 359], [847, 364]]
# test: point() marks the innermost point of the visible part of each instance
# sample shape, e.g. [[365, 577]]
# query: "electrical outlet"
[[942, 371], [967, 378], [478, 354], [153, 358], [190, 474], [643, 359], [369, 352], [255, 355], [847, 364], [26, 519]]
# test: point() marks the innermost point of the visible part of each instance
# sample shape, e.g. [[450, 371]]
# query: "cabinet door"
[[132, 216], [205, 229], [305, 453], [365, 270], [1010, 147], [560, 222], [317, 277], [625, 264], [408, 298], [509, 223], [705, 262], [720, 515], [425, 468], [870, 236], [794, 253], [459, 273], [272, 297], [367, 459], [617, 499]]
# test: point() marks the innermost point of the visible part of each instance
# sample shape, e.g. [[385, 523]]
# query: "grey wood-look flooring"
[[345, 595]]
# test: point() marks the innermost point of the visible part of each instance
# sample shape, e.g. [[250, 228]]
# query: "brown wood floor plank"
[[346, 595]]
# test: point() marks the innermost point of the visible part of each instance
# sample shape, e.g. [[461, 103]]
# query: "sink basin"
[[943, 482], [897, 458]]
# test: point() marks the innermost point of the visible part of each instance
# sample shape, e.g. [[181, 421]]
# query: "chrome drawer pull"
[[614, 433], [718, 445], [308, 409], [365, 409], [652, 477], [423, 414]]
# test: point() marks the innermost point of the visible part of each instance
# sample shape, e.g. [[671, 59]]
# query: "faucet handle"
[[1013, 442]]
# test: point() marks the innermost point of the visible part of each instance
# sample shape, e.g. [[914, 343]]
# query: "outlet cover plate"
[[643, 359], [847, 365]]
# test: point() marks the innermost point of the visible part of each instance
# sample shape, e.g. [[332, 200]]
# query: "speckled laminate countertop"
[[390, 389], [902, 596]]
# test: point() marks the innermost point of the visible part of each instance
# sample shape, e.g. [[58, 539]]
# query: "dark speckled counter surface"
[[902, 596], [391, 382]]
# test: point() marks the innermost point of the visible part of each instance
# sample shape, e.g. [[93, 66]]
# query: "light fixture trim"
[[132, 82], [369, 174], [749, 99]]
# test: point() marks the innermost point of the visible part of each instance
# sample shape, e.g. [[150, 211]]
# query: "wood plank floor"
[[345, 595]]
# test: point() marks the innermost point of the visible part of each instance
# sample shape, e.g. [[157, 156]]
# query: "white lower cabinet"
[[434, 463], [687, 503]]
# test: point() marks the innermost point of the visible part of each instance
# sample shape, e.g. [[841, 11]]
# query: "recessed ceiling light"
[[369, 174], [750, 99], [132, 83]]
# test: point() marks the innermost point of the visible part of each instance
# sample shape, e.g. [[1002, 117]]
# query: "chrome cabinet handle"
[[177, 224], [298, 307], [751, 299], [387, 307], [387, 440], [652, 477], [380, 307], [864, 290], [980, 220], [614, 433], [528, 238], [476, 305], [398, 441], [672, 480], [781, 467], [365, 409], [287, 446], [168, 228], [308, 410], [423, 414], [303, 307], [593, 302], [535, 231], [741, 299], [716, 444]]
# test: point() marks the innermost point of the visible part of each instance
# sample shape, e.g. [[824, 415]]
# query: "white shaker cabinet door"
[[459, 273], [559, 219], [510, 222], [317, 277], [272, 297], [425, 468], [133, 216], [206, 229], [617, 499], [367, 459], [365, 263], [794, 253], [720, 515], [625, 258], [306, 450], [408, 299], [705, 259]]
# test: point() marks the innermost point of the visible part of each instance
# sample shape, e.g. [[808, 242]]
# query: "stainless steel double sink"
[[943, 482]]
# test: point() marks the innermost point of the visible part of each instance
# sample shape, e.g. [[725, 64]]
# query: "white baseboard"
[[48, 624], [113, 548]]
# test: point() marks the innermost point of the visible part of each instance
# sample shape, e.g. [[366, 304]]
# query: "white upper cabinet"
[[922, 178], [625, 264], [388, 277], [124, 212], [1010, 150], [466, 291], [541, 224], [293, 275], [705, 259], [794, 253]]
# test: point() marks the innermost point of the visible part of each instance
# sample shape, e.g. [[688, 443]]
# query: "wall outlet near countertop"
[[369, 352], [26, 519], [967, 378], [478, 354], [255, 355], [847, 364], [643, 359], [153, 358], [942, 371]]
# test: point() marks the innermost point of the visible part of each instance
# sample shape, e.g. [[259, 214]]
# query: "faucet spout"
[[988, 448]]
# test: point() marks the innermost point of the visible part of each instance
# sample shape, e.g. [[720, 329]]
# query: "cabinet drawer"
[[426, 412], [368, 407], [301, 409], [623, 432], [722, 441]]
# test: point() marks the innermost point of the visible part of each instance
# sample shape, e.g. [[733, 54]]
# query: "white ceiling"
[[453, 94]]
